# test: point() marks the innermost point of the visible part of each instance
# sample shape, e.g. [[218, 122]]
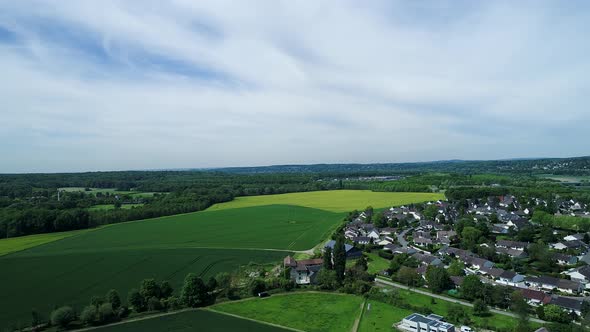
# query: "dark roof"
[[508, 275], [457, 280], [509, 244], [289, 261], [332, 243], [494, 272], [361, 239], [532, 294], [566, 302]]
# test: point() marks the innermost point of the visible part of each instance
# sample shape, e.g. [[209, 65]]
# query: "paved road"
[[446, 298], [401, 240]]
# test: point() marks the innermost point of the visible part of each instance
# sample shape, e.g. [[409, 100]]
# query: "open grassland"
[[112, 207], [188, 321], [24, 242], [35, 279], [376, 263], [381, 317], [304, 311], [263, 227], [334, 200]]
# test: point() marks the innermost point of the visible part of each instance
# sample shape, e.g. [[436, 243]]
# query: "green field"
[[35, 279], [303, 311], [112, 207], [381, 317], [335, 200], [376, 263], [188, 321], [222, 238], [24, 242], [262, 227], [441, 307]]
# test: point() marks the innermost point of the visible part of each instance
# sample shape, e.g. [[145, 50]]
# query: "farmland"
[[24, 242], [197, 320], [223, 238], [304, 311], [34, 279], [335, 200], [263, 227]]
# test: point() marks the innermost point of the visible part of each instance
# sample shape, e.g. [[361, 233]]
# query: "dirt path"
[[357, 321]]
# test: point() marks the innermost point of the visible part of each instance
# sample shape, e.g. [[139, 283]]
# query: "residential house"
[[457, 281], [478, 263], [511, 252], [574, 237], [550, 283], [351, 252], [581, 274], [428, 259], [563, 259], [362, 240], [493, 272], [303, 272], [420, 323], [510, 278], [535, 297], [569, 304], [374, 234], [515, 245], [422, 241], [565, 245]]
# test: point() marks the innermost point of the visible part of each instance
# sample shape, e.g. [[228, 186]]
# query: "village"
[[494, 241]]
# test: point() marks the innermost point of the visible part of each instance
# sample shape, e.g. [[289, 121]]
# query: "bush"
[[106, 313], [88, 315], [385, 254], [63, 316], [154, 304]]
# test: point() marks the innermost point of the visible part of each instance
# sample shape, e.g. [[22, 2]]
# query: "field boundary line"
[[136, 319], [357, 321], [253, 320]]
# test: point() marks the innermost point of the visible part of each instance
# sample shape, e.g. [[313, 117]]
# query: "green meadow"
[[304, 311], [334, 200], [112, 207], [24, 242], [197, 320]]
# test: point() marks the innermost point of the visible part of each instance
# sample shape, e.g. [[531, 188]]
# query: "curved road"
[[450, 299]]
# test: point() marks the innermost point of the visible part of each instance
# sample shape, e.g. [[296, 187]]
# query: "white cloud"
[[136, 84]]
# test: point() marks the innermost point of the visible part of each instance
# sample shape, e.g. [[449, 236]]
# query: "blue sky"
[[113, 85]]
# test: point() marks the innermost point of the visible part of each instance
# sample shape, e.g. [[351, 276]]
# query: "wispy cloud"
[[95, 85]]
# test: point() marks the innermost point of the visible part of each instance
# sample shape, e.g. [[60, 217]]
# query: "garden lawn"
[[189, 321], [376, 263], [333, 200], [43, 281], [304, 311]]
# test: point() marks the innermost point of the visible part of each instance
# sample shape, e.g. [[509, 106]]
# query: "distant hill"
[[572, 166]]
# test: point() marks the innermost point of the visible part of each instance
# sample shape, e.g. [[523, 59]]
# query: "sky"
[[139, 84]]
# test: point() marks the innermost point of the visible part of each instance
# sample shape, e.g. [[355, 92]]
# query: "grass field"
[[381, 317], [376, 263], [304, 311], [112, 207], [24, 242], [188, 321], [335, 200], [34, 279]]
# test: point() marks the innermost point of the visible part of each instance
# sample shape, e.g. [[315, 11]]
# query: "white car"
[[466, 329]]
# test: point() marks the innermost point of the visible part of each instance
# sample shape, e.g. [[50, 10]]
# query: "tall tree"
[[339, 258], [438, 279], [194, 291], [328, 259], [113, 298]]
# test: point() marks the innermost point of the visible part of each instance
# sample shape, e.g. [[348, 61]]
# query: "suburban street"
[[400, 238], [446, 298]]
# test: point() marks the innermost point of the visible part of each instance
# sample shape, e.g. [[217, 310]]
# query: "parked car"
[[466, 329]]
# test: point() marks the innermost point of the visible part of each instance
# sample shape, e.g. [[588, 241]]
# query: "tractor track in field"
[[171, 275]]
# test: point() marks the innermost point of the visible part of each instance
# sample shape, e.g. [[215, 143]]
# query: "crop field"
[[35, 279], [24, 242], [334, 200], [188, 321], [263, 227], [304, 311], [69, 270], [112, 207]]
